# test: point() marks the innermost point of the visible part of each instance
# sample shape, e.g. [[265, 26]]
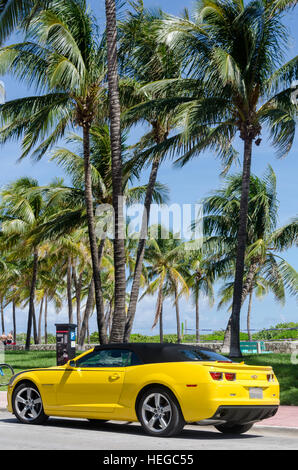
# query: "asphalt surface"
[[71, 434]]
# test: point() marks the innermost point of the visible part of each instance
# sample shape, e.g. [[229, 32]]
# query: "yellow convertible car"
[[164, 386]]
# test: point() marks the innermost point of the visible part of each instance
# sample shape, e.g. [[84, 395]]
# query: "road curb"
[[291, 430]]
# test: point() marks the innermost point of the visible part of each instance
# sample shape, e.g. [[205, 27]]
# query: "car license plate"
[[256, 393]]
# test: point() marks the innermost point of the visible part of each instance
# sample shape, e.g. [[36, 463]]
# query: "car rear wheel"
[[159, 413], [234, 428], [27, 404]]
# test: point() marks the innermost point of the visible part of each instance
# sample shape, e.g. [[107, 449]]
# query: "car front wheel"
[[234, 428], [27, 404], [159, 413]]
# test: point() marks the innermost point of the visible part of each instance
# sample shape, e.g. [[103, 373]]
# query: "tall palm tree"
[[166, 272], [9, 275], [23, 210], [51, 288], [144, 59], [264, 239], [65, 59], [259, 287], [237, 84], [200, 281], [72, 197], [115, 131]]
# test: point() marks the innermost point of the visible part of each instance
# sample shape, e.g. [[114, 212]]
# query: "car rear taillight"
[[230, 376], [216, 375], [270, 377]]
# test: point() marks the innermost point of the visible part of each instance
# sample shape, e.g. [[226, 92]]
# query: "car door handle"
[[115, 376]]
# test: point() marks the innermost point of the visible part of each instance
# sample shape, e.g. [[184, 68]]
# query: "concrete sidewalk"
[[3, 400], [287, 416]]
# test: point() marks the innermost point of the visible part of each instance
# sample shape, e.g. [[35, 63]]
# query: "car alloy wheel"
[[27, 404], [159, 412], [156, 412]]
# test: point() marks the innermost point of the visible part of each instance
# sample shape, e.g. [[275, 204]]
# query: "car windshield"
[[203, 355]]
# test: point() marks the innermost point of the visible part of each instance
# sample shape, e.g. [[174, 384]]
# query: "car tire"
[[27, 404], [234, 428], [159, 413]]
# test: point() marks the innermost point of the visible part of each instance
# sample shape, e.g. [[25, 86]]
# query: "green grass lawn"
[[286, 372], [21, 360]]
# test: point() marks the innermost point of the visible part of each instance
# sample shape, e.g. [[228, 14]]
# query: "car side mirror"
[[71, 364]]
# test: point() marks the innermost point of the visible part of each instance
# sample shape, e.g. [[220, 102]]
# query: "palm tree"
[[72, 197], [69, 68], [51, 288], [237, 84], [87, 313], [200, 281], [65, 228], [260, 287], [14, 13], [264, 240], [118, 326], [9, 275], [166, 270], [71, 253], [144, 59], [23, 210]]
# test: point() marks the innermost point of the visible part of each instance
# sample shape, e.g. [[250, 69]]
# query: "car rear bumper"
[[244, 413]]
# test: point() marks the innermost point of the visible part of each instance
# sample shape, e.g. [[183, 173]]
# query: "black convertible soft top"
[[149, 353]]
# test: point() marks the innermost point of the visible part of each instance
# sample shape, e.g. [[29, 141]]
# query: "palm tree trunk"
[[111, 320], [14, 321], [88, 332], [227, 337], [39, 321], [88, 310], [92, 239], [161, 324], [69, 291], [78, 289], [2, 316], [240, 256], [101, 250], [35, 333], [140, 252], [78, 299], [31, 313], [246, 289], [109, 317], [177, 315], [46, 320], [248, 315], [197, 319], [119, 318]]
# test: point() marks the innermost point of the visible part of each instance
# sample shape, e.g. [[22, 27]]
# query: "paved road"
[[79, 434]]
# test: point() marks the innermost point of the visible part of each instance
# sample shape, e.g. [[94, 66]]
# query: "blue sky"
[[187, 185]]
